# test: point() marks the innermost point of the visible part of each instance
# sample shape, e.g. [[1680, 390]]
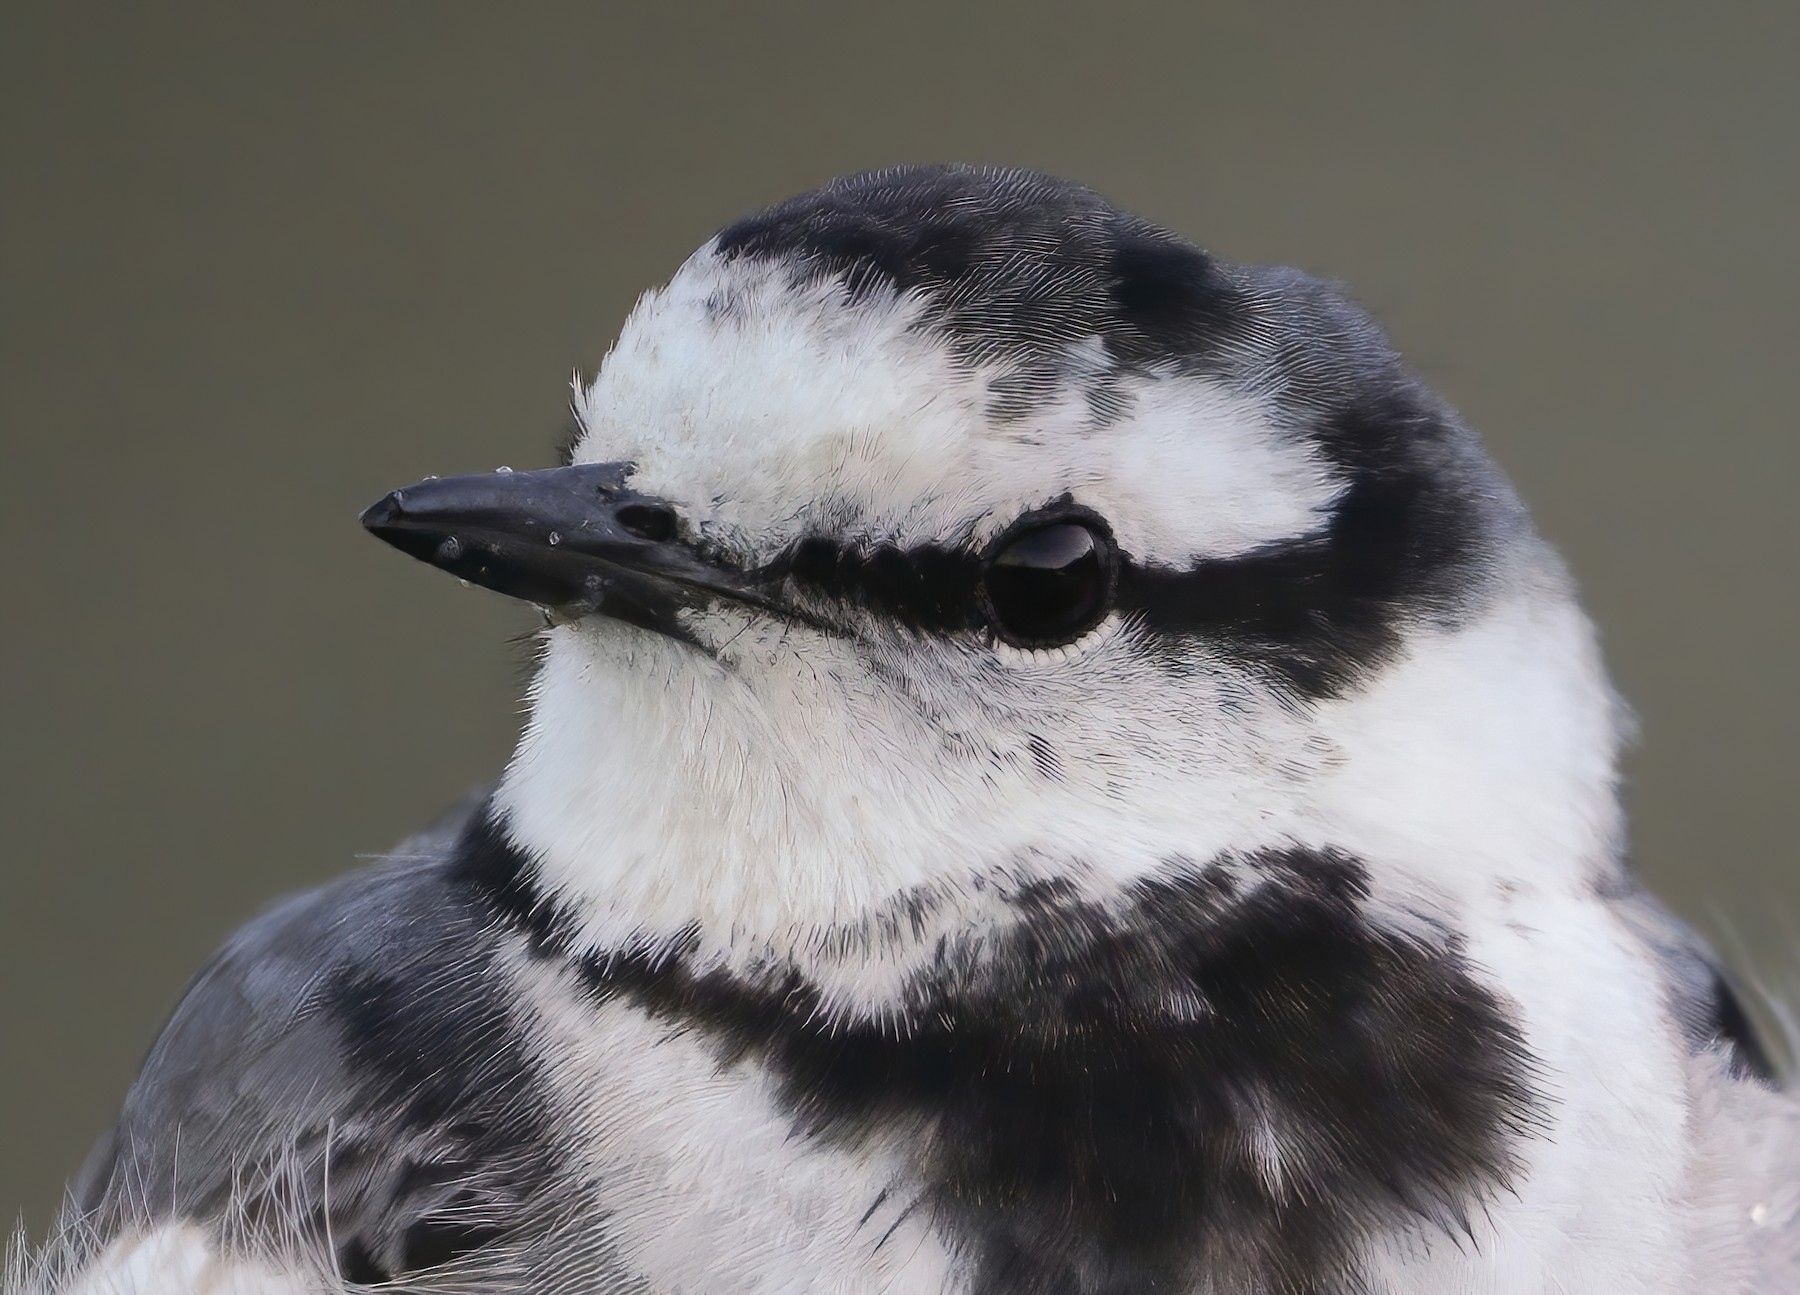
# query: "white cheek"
[[811, 780]]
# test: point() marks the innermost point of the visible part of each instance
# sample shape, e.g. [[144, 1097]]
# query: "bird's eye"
[[1046, 584]]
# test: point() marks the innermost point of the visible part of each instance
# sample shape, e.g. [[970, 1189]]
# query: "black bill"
[[573, 539]]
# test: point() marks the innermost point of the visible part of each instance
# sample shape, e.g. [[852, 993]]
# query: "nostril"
[[653, 522]]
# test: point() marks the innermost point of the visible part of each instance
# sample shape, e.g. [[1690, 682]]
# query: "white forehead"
[[765, 410]]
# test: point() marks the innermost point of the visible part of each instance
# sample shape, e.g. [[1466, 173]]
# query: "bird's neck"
[[662, 794]]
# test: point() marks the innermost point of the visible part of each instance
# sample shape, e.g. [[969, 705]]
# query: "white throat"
[[802, 784]]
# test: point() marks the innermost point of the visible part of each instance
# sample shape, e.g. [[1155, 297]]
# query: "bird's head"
[[949, 527]]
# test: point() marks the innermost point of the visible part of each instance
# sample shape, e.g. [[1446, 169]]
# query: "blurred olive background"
[[262, 263]]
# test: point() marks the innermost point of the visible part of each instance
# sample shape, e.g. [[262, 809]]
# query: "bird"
[[1057, 765]]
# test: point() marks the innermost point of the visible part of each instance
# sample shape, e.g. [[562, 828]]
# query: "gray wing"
[[1705, 1001], [1743, 1189], [349, 1066]]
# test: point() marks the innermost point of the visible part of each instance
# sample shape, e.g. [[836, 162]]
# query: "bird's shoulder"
[[352, 1052]]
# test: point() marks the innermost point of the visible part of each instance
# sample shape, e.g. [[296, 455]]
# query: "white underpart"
[[691, 1160]]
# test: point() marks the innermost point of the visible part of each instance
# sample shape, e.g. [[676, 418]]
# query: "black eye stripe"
[[1317, 614], [1314, 615], [818, 563], [1301, 612], [929, 588]]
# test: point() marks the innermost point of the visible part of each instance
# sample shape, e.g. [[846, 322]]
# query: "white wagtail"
[[1058, 767]]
